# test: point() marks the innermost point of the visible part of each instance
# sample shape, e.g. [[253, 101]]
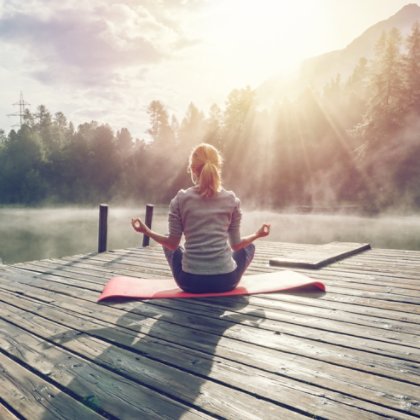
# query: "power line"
[[21, 104]]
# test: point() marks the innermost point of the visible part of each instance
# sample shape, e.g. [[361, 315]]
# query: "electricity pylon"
[[21, 104]]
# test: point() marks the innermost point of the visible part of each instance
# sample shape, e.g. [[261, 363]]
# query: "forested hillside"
[[355, 142]]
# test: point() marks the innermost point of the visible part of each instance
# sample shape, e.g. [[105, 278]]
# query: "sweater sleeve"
[[174, 218], [235, 224]]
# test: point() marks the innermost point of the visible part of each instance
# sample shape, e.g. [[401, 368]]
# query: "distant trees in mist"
[[355, 142]]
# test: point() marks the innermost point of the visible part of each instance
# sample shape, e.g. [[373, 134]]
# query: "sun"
[[264, 35]]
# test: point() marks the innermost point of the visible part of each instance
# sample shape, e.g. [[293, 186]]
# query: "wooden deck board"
[[349, 294], [105, 333], [176, 377], [352, 352], [6, 414], [34, 397]]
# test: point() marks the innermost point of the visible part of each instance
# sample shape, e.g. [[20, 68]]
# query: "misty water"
[[36, 233]]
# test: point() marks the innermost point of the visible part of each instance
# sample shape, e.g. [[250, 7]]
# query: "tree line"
[[355, 142]]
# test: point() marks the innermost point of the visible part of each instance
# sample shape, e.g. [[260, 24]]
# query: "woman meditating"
[[215, 255]]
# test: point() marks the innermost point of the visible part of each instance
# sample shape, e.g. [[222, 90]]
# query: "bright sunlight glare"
[[257, 37]]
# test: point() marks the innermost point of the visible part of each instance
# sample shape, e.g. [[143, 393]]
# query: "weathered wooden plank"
[[89, 268], [366, 261], [373, 297], [268, 250], [355, 279], [359, 299], [111, 393], [277, 320], [404, 303], [215, 398], [309, 318], [35, 398], [263, 255], [286, 316], [172, 326], [278, 387], [375, 285], [381, 287], [387, 325], [314, 322], [343, 305], [374, 346], [375, 320], [5, 413], [210, 397], [291, 246], [349, 289], [384, 270], [364, 300], [401, 284], [374, 260], [159, 262]]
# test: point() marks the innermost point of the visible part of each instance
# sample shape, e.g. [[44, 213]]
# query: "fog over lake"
[[35, 233]]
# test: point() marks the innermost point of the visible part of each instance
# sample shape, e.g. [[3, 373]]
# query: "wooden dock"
[[351, 353]]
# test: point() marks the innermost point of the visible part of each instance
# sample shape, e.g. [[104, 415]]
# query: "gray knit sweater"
[[210, 226]]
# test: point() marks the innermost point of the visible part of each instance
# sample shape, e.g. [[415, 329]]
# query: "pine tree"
[[411, 62], [386, 93], [124, 141], [159, 130], [238, 130], [213, 134], [191, 131], [355, 92]]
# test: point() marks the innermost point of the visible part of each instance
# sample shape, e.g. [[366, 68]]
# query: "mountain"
[[320, 69]]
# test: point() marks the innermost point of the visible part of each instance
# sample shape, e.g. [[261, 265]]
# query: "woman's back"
[[215, 255], [209, 224]]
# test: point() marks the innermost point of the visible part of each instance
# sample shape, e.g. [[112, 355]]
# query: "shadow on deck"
[[353, 351]]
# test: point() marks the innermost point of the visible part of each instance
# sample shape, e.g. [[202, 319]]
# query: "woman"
[[215, 255]]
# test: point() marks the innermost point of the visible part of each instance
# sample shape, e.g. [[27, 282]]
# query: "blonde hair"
[[206, 167]]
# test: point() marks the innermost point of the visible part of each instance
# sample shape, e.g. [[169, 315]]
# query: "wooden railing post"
[[148, 221], [103, 227]]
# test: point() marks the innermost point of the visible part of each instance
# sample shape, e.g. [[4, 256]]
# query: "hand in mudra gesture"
[[138, 225], [264, 230]]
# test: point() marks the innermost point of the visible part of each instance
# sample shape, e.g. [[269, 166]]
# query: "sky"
[[106, 60]]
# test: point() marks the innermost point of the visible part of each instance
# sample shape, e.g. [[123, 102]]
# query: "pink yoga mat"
[[136, 288]]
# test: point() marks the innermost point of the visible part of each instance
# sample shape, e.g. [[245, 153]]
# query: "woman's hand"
[[138, 225], [264, 230], [169, 242]]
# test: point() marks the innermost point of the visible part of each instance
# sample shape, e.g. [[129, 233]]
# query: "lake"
[[35, 233]]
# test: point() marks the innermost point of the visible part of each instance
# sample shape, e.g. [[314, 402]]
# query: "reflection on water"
[[31, 234]]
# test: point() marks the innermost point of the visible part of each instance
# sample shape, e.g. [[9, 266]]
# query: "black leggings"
[[209, 283]]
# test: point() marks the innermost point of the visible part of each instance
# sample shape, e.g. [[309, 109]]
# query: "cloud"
[[94, 45], [100, 60]]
